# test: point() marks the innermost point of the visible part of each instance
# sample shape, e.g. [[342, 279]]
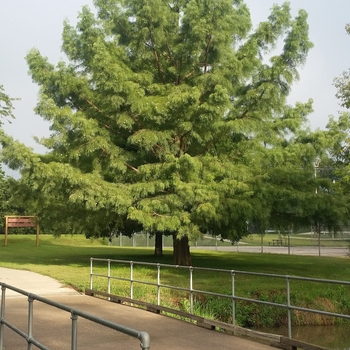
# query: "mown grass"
[[68, 260]]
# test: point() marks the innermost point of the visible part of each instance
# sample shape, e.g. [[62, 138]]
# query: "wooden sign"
[[22, 221]]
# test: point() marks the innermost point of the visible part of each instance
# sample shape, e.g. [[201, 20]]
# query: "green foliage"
[[6, 106], [8, 204], [253, 315], [342, 84], [171, 116]]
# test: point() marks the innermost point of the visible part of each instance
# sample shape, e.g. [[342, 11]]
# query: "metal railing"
[[143, 337], [232, 273]]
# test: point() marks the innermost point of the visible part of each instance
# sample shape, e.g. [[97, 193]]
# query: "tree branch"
[[183, 140], [91, 104], [131, 167], [207, 54], [155, 54], [136, 121], [73, 105], [114, 132], [159, 215], [169, 52], [185, 77]]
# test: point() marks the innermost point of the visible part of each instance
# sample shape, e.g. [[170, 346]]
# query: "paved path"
[[52, 327], [302, 250]]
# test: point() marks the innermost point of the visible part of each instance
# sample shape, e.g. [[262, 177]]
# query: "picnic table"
[[277, 242]]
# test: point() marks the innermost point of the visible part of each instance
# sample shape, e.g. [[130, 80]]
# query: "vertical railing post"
[[109, 278], [145, 340], [74, 338], [131, 280], [233, 298], [91, 273], [191, 289], [288, 308], [30, 321], [158, 284], [2, 315]]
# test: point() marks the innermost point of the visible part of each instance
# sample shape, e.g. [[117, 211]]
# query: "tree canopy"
[[342, 83], [171, 117]]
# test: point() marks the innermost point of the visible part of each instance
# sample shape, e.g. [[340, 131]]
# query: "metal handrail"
[[143, 337], [288, 306]]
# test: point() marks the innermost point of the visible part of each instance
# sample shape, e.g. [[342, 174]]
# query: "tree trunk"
[[181, 252], [158, 244]]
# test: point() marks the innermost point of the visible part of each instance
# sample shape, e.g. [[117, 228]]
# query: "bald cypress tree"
[[163, 116]]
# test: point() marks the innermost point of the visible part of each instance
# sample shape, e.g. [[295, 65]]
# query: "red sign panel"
[[20, 222]]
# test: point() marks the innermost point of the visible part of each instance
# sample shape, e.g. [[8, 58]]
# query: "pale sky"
[[38, 23]]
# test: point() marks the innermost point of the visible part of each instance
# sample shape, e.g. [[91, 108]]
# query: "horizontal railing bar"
[[318, 280], [233, 297], [162, 285], [238, 272], [269, 303], [320, 312], [127, 263], [37, 344], [154, 284], [111, 277], [142, 336], [126, 330], [237, 298], [24, 335], [140, 263]]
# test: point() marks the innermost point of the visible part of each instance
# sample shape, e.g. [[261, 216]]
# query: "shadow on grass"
[[77, 251]]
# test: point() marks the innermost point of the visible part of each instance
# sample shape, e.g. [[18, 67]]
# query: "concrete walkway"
[[52, 327]]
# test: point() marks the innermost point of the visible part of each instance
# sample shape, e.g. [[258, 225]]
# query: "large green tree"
[[166, 116]]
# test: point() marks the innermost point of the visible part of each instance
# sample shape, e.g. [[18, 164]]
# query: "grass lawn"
[[68, 260], [56, 256]]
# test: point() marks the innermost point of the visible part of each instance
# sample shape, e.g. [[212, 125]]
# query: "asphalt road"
[[302, 250]]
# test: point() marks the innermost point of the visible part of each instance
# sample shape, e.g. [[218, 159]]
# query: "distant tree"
[[327, 204], [167, 116], [7, 207], [342, 83], [6, 183], [338, 131]]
